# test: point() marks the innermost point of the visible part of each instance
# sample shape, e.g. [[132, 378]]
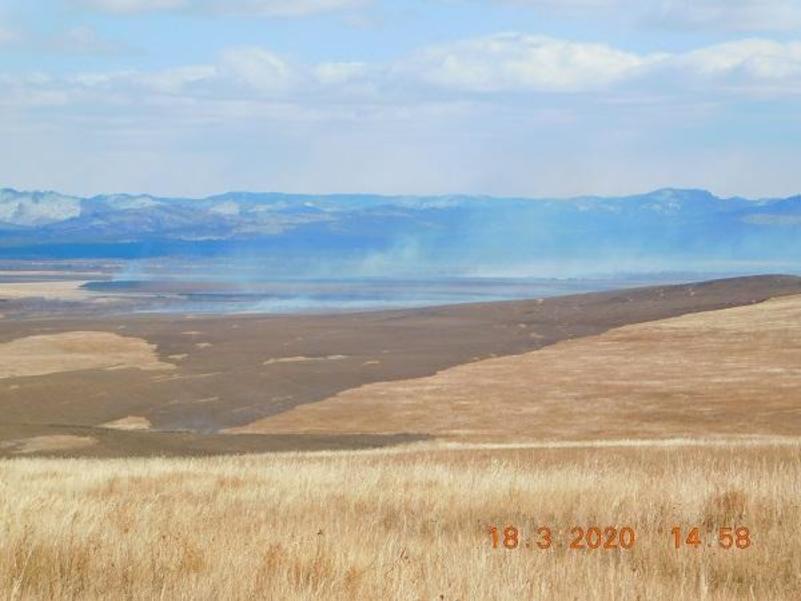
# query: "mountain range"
[[374, 235]]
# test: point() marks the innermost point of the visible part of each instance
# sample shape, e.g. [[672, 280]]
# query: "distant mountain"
[[368, 234]]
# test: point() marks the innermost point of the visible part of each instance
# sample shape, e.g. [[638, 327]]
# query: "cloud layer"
[[516, 62], [733, 15], [504, 67], [264, 8], [737, 15]]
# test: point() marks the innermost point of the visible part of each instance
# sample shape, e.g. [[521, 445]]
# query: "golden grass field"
[[404, 524]]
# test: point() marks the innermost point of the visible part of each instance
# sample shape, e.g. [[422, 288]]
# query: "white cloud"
[[570, 7], [505, 71], [336, 73], [521, 64], [178, 80], [263, 8], [517, 62], [742, 69], [134, 6], [737, 15], [258, 69], [278, 8], [741, 15], [752, 59], [83, 40]]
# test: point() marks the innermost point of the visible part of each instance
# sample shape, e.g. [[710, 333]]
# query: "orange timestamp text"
[[609, 538]]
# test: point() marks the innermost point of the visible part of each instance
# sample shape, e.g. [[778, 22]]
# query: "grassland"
[[727, 372], [73, 368], [409, 523], [613, 410]]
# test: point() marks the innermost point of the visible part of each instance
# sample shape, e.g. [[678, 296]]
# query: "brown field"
[[403, 524], [733, 371], [72, 370], [47, 444]]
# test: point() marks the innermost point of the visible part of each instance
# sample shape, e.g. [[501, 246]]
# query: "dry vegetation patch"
[[131, 422], [303, 359], [403, 524], [53, 443], [71, 351], [56, 290]]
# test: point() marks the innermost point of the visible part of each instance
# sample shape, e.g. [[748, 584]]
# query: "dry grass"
[[131, 422], [55, 442], [57, 290], [303, 359], [71, 351], [735, 371], [401, 524]]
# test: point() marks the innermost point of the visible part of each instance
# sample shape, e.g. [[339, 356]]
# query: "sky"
[[540, 98]]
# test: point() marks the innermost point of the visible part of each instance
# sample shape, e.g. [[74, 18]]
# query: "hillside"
[[161, 384]]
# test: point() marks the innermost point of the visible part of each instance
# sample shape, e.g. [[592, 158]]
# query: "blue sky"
[[504, 97]]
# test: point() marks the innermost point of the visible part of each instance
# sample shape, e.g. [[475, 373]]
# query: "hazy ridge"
[[369, 234]]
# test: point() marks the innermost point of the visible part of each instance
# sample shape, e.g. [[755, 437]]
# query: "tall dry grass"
[[400, 525]]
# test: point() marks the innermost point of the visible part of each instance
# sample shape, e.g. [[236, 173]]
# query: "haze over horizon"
[[389, 195], [363, 235]]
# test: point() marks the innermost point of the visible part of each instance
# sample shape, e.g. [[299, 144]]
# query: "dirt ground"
[[231, 371], [728, 372]]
